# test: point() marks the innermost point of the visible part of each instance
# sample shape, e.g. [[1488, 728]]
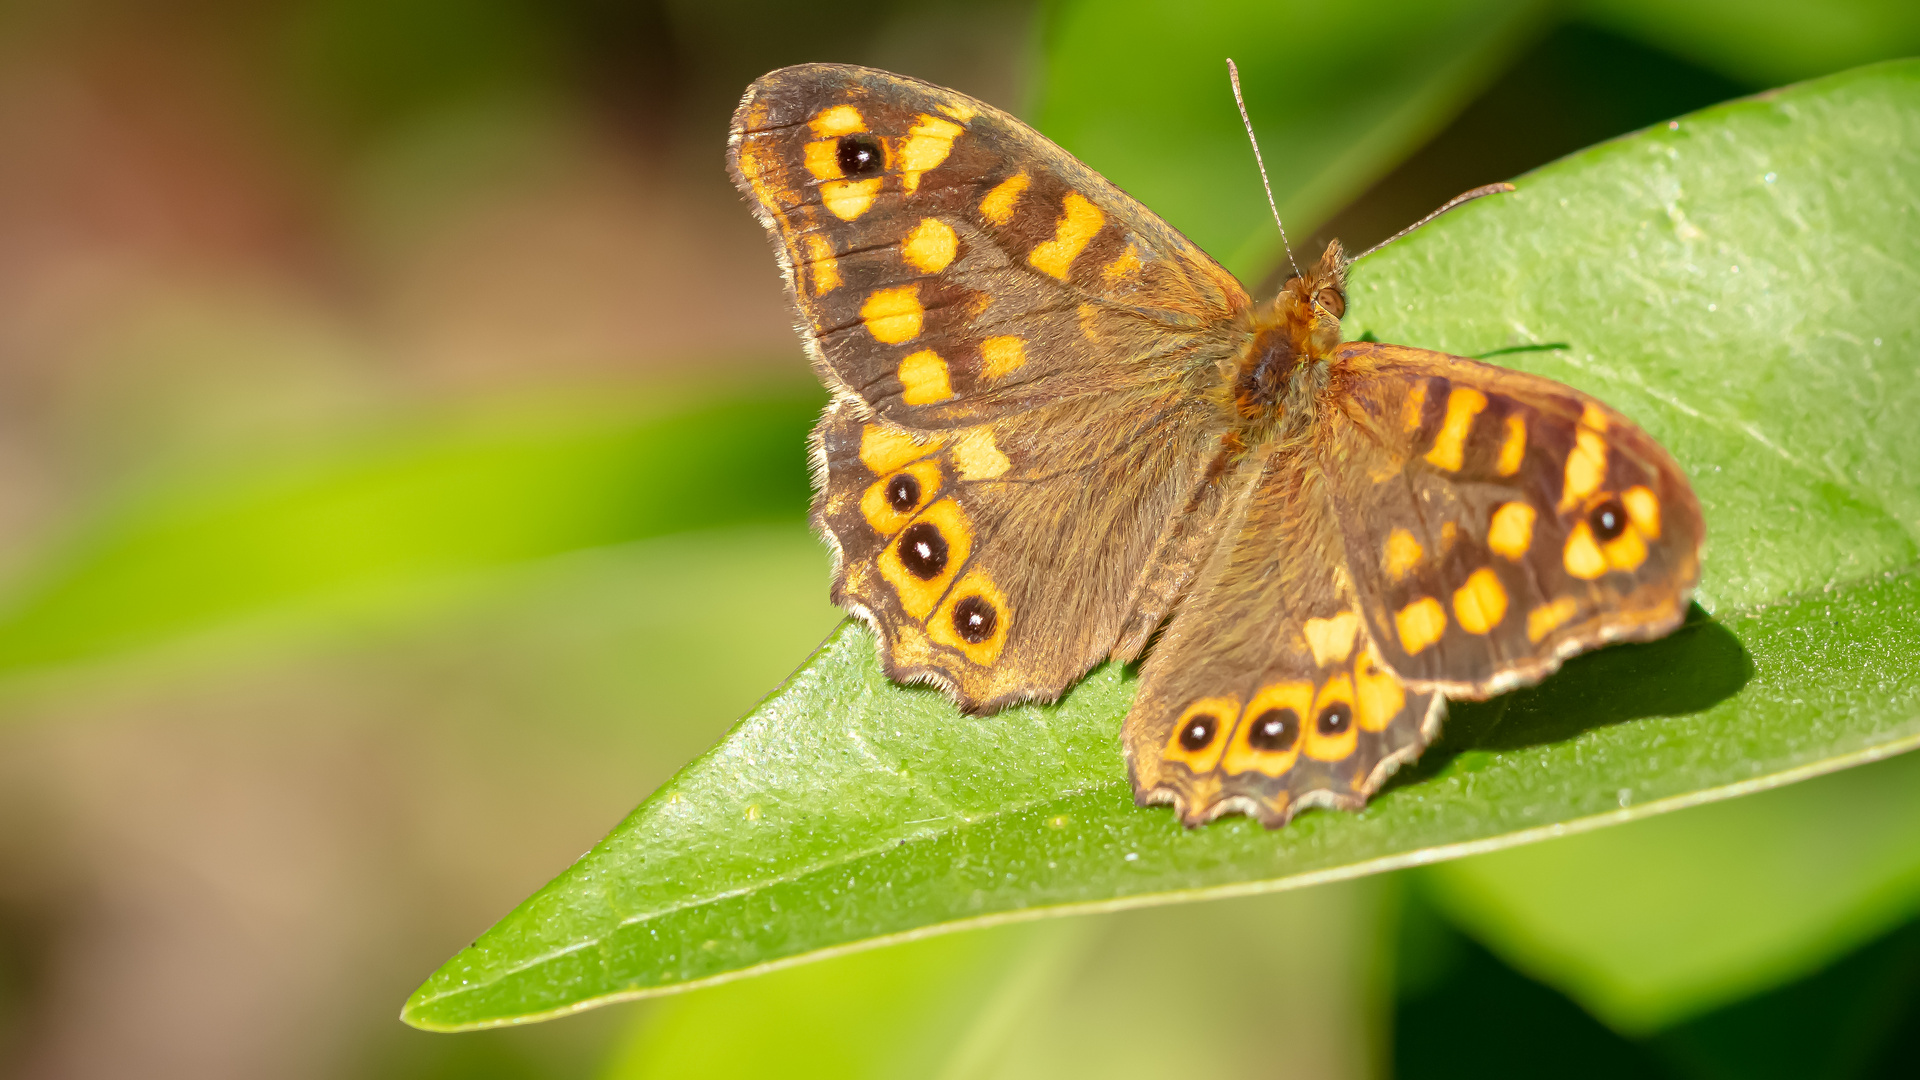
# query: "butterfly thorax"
[[1289, 349]]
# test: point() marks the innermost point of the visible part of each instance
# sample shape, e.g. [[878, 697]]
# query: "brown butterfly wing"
[[1028, 376], [1497, 522], [951, 265], [1266, 695], [1002, 561]]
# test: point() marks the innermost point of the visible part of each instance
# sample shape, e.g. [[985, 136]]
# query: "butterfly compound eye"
[[1275, 730], [859, 154], [1333, 301], [1199, 732], [1608, 520]]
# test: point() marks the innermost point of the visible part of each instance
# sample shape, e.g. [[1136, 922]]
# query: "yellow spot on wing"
[[1414, 409], [999, 203], [1547, 618], [1403, 553], [1514, 450], [927, 145], [1450, 446], [848, 199], [1338, 691], [1511, 533], [959, 110], [1420, 624], [1223, 710], [884, 449], [1001, 355], [822, 267], [1089, 318], [1627, 551], [1644, 508], [837, 121], [978, 457], [1481, 603], [1582, 556], [1127, 263], [1592, 416], [1586, 467], [822, 158], [1332, 639], [930, 246], [772, 195], [1079, 221], [923, 378], [893, 315], [1296, 697], [1377, 696]]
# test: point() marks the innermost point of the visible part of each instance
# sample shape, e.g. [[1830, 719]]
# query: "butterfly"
[[1060, 433]]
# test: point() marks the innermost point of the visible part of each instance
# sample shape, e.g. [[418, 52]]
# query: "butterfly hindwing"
[[1266, 694], [951, 265], [992, 560], [1497, 522]]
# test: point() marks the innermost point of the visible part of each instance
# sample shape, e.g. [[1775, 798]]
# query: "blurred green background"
[[364, 366]]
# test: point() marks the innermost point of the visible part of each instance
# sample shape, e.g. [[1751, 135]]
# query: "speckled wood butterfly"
[[1057, 427]]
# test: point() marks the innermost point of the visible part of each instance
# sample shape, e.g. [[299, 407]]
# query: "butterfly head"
[[1315, 301], [1298, 327]]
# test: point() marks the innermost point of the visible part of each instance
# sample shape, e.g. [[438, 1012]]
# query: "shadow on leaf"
[[1690, 670]]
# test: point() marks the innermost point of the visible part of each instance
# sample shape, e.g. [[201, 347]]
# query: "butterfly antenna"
[[1463, 197], [1233, 74]]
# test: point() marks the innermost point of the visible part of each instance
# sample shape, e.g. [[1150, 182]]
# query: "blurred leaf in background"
[[410, 513], [1337, 93], [1253, 996]]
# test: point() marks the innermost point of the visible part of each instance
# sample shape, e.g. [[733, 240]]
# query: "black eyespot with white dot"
[[923, 551], [859, 155], [1608, 520], [1274, 731], [1335, 719], [1198, 731], [903, 492], [974, 619]]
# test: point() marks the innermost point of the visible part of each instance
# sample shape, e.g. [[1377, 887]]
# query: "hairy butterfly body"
[[1058, 429]]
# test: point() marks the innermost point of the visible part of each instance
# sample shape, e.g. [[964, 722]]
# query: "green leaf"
[[399, 512], [1339, 94], [848, 811]]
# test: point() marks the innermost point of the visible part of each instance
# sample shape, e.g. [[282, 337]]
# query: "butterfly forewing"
[[1496, 522], [950, 264], [1013, 344]]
